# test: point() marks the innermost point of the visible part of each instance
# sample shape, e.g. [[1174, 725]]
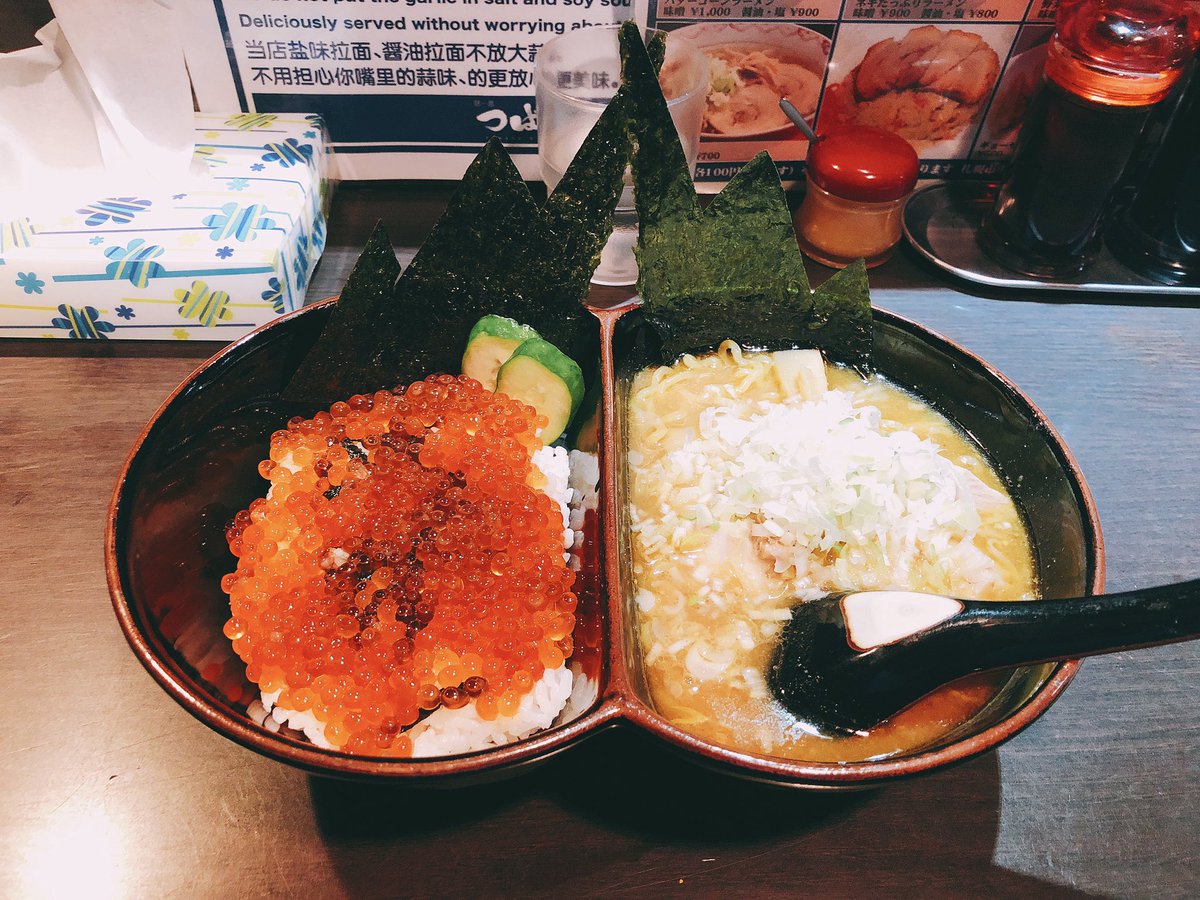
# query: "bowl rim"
[[615, 701]]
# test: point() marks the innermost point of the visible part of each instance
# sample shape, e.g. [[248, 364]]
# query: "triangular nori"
[[841, 316], [734, 269], [490, 252], [580, 211], [364, 300], [663, 190], [493, 251]]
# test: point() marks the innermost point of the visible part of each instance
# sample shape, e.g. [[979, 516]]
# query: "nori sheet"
[[579, 213], [841, 317], [732, 270], [365, 299], [493, 251]]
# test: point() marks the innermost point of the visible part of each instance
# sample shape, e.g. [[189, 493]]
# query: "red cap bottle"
[[858, 180], [1109, 62]]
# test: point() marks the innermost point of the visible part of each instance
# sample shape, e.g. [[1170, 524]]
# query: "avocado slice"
[[540, 374], [490, 344]]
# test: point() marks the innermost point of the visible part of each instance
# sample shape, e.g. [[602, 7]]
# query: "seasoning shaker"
[[1108, 64], [1156, 228], [858, 178]]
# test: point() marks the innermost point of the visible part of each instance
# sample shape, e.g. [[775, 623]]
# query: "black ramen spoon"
[[847, 662]]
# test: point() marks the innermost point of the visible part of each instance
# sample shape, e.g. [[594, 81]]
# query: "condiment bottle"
[[1108, 63], [858, 179], [1156, 230]]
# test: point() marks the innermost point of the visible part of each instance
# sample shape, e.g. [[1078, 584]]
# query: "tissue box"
[[211, 262]]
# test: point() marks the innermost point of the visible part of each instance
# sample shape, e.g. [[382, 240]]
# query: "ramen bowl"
[[195, 464], [1030, 458], [794, 44]]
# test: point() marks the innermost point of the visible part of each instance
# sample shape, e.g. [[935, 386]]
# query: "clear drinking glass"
[[576, 74]]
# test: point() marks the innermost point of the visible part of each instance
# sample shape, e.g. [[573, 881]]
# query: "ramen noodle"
[[760, 480]]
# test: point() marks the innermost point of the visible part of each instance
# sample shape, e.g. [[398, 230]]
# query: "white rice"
[[555, 464], [445, 732], [299, 721]]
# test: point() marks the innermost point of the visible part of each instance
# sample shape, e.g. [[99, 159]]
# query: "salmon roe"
[[404, 559]]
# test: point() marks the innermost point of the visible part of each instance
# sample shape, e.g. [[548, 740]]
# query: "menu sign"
[[413, 88], [407, 88], [954, 77]]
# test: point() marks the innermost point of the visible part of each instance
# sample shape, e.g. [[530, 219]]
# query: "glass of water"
[[576, 74]]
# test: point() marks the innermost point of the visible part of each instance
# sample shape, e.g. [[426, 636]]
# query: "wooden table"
[[109, 789]]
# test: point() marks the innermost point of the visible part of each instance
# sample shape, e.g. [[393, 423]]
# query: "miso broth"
[[740, 509]]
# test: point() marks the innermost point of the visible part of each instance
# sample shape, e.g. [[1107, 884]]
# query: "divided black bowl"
[[195, 465]]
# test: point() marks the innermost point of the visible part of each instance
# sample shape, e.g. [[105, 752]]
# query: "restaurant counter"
[[110, 789]]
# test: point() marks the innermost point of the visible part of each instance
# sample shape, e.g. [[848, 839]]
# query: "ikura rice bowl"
[[759, 480], [404, 587]]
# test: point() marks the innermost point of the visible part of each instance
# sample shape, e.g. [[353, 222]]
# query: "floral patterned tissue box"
[[208, 263]]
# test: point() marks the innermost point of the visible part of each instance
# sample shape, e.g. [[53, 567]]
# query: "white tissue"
[[103, 107]]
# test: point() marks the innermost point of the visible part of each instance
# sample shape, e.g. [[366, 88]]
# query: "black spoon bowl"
[[847, 662]]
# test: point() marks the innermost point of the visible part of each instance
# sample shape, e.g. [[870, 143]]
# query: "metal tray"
[[941, 221]]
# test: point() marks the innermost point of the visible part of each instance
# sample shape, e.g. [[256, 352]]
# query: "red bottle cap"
[[861, 163], [1122, 52]]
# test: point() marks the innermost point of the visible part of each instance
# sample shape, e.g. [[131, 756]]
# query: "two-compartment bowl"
[[194, 465]]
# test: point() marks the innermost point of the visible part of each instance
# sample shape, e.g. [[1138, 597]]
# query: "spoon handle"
[[1041, 630]]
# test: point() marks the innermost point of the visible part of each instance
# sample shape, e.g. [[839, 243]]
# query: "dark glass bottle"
[[1108, 64], [1156, 230]]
